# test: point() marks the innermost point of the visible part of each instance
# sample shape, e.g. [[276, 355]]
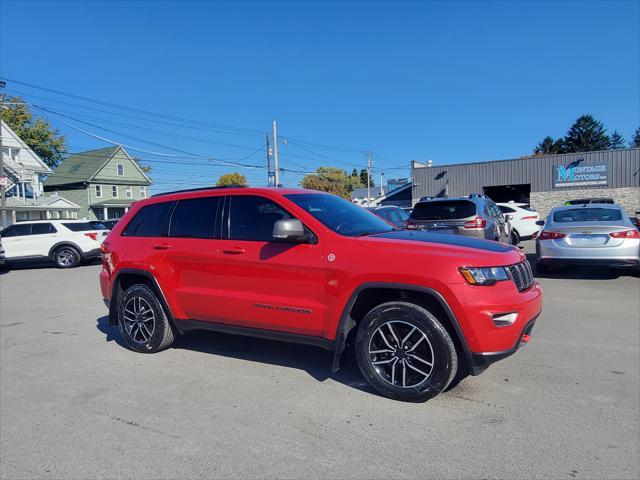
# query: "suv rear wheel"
[[66, 257], [405, 353], [142, 321]]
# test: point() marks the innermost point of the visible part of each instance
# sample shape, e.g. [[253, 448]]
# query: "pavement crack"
[[137, 425]]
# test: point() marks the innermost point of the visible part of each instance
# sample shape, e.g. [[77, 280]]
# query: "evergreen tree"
[[617, 141], [363, 178], [635, 140], [549, 146], [586, 135]]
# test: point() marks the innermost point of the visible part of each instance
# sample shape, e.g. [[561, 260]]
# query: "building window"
[[98, 191], [129, 192], [114, 191], [143, 192], [120, 168]]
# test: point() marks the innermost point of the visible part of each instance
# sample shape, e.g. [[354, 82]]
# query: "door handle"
[[162, 246], [233, 251]]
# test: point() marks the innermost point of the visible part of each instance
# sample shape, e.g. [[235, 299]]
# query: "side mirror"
[[508, 217], [290, 230], [540, 222]]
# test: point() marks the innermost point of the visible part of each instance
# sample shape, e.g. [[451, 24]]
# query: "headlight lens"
[[484, 275]]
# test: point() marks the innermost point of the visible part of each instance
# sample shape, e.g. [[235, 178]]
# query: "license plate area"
[[587, 240]]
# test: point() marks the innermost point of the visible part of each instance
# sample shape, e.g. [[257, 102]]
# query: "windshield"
[[588, 215], [339, 215], [443, 210]]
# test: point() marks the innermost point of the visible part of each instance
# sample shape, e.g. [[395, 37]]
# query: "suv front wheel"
[[142, 321], [405, 353]]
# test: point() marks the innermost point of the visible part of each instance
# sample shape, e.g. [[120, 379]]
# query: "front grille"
[[521, 275]]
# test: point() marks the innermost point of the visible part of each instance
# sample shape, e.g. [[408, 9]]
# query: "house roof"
[[80, 167], [362, 192], [40, 203], [28, 160], [114, 202]]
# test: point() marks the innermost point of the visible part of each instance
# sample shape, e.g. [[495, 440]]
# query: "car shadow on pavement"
[[315, 361], [578, 272]]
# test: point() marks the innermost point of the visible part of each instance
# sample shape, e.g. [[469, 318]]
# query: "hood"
[[467, 250]]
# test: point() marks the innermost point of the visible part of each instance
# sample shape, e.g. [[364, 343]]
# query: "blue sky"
[[447, 81]]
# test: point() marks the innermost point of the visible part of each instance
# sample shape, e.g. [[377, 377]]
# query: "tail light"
[[412, 226], [477, 222], [545, 235], [92, 235], [626, 234], [530, 217]]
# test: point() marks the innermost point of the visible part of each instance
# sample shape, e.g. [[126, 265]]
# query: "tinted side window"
[[252, 218], [79, 227], [42, 228], [195, 218], [504, 209], [16, 230], [150, 221]]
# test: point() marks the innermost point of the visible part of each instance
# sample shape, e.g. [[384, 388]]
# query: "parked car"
[[473, 216], [3, 258], [589, 234], [586, 201], [63, 242], [523, 220], [302, 266], [391, 214], [104, 224]]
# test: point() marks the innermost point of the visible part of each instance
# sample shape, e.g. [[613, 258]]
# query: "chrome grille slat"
[[521, 274]]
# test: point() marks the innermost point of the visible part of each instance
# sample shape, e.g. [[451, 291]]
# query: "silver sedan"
[[590, 234]]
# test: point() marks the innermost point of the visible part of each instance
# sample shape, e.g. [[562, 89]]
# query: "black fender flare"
[[65, 243], [117, 290], [347, 323]]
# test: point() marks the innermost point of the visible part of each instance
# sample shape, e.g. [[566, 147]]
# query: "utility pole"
[[275, 155], [381, 187], [3, 180], [268, 162], [369, 162]]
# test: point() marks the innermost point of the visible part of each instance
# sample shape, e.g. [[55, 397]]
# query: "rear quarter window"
[[443, 210], [79, 227], [150, 221]]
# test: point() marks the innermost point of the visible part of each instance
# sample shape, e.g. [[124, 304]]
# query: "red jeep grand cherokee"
[[309, 267]]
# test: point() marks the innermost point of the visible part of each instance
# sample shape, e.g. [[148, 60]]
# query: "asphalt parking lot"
[[76, 404]]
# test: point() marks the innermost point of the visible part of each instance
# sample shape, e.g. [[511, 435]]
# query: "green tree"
[[635, 140], [329, 179], [36, 132], [363, 178], [233, 178], [586, 135], [549, 146], [356, 182], [617, 141]]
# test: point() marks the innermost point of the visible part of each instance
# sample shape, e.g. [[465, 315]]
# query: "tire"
[[421, 381], [141, 331], [542, 268], [66, 256], [515, 238]]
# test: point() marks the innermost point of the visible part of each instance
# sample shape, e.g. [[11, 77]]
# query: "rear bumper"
[[595, 262], [91, 254]]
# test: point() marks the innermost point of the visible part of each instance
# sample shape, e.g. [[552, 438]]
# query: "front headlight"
[[484, 275]]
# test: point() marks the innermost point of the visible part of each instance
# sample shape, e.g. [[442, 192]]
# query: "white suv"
[[64, 242], [523, 220]]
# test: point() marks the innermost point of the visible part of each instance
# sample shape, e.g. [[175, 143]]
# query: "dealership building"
[[542, 181]]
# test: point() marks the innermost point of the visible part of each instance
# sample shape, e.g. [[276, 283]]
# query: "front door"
[[264, 283]]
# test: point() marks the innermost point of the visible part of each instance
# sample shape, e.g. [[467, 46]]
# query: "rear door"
[[184, 260], [43, 237], [264, 283]]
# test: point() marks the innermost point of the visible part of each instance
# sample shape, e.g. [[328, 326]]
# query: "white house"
[[24, 172]]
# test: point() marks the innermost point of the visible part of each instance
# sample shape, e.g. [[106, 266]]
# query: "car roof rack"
[[199, 189]]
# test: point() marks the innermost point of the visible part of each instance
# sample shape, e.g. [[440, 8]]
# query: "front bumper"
[[482, 361]]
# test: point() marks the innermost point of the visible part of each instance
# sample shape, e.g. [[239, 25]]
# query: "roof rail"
[[200, 189]]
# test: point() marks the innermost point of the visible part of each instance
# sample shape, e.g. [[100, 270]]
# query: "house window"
[[120, 167], [98, 191], [129, 192], [114, 191], [143, 192]]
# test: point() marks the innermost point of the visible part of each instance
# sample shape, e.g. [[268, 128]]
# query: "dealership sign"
[[581, 175]]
